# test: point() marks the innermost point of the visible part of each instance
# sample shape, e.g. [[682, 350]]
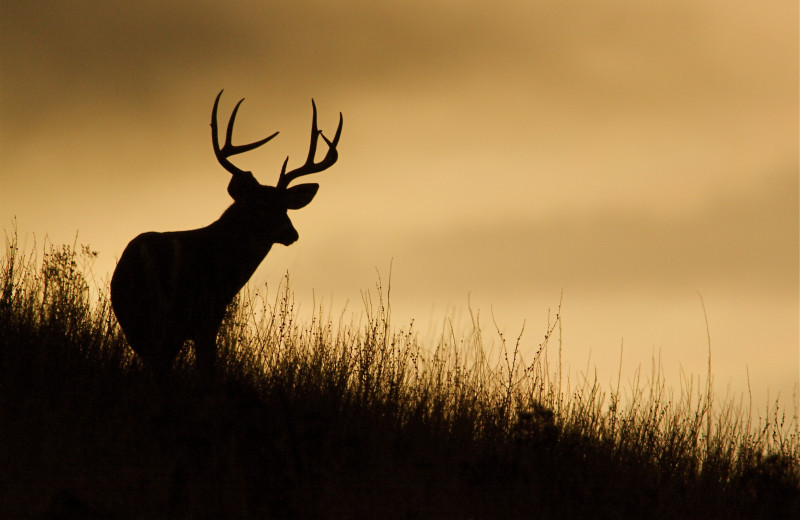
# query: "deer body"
[[175, 286]]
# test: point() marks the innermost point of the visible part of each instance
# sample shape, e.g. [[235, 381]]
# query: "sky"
[[631, 160]]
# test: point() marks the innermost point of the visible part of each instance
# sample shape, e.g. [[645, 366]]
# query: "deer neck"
[[240, 244]]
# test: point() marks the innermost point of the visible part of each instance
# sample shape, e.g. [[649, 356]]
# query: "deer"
[[170, 287]]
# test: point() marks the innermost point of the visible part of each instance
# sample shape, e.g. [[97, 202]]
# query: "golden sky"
[[629, 153]]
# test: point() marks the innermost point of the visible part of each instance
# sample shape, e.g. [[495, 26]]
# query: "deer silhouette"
[[175, 286]]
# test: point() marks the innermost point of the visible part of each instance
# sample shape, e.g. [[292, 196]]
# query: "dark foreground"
[[327, 422]]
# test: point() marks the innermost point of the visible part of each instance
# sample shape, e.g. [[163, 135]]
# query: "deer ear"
[[241, 184], [299, 196]]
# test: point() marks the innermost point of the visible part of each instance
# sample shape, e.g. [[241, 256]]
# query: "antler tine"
[[312, 148], [335, 137], [310, 166], [229, 149]]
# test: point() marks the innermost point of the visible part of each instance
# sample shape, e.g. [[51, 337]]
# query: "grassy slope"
[[336, 420]]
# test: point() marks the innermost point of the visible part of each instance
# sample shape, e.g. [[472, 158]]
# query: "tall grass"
[[337, 417]]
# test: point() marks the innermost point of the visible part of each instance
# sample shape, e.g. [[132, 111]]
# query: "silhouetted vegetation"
[[347, 419]]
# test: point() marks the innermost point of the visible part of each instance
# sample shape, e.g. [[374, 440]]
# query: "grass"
[[332, 418]]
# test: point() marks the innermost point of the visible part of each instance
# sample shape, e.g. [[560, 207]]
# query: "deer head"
[[267, 205]]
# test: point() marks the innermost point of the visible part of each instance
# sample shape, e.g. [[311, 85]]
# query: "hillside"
[[337, 419]]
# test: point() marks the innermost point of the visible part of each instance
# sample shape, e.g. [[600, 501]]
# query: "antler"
[[310, 166], [229, 149]]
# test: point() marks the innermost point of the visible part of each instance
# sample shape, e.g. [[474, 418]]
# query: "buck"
[[175, 286]]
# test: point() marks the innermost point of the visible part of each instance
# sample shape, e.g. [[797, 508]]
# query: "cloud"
[[746, 244], [58, 53]]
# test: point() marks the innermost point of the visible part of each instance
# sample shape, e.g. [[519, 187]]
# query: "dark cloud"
[[59, 54], [53, 48]]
